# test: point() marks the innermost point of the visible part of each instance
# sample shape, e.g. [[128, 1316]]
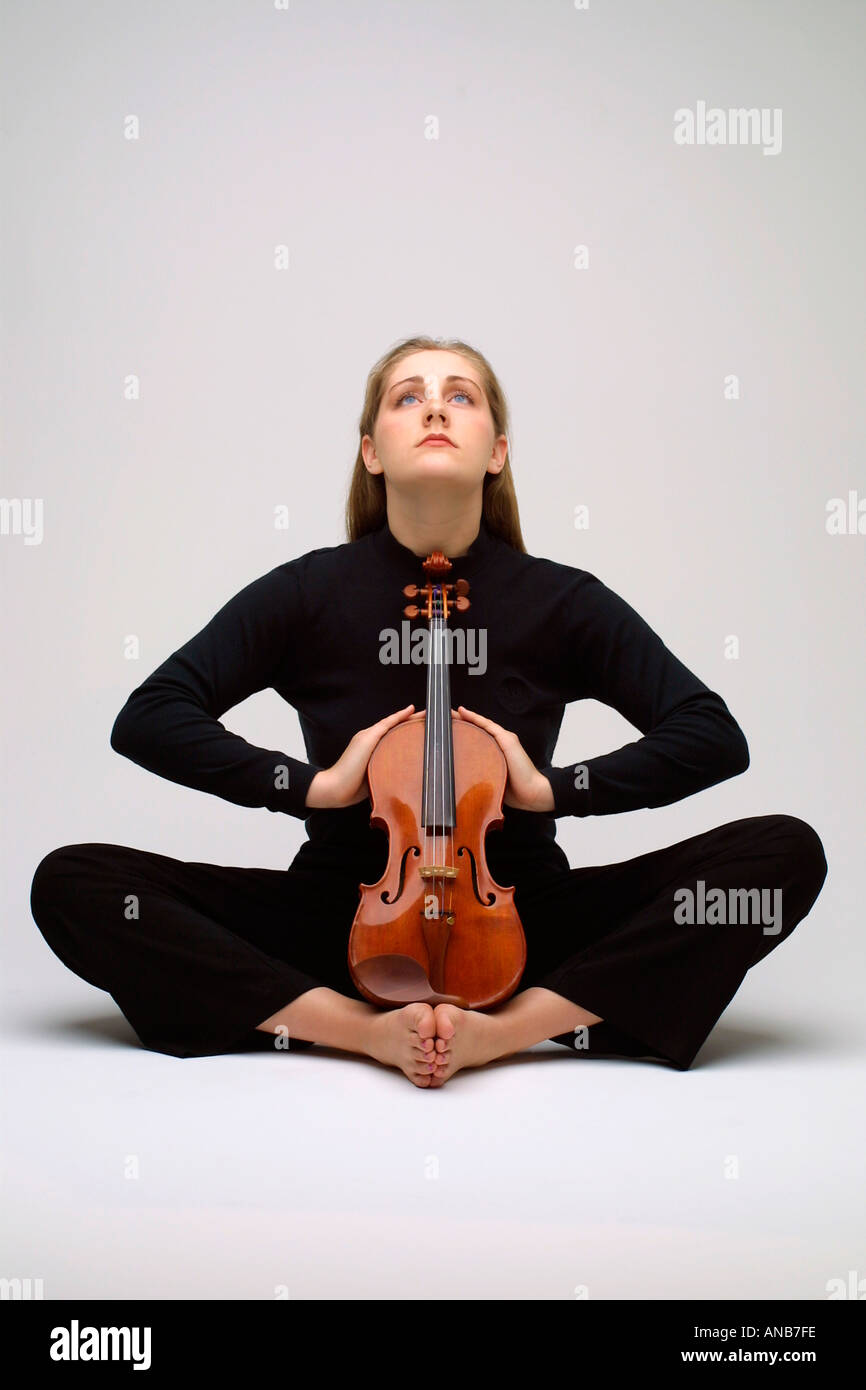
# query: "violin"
[[436, 927]]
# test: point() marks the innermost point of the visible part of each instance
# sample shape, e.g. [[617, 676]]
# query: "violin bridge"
[[438, 871]]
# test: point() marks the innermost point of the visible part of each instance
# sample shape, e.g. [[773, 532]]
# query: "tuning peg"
[[412, 611]]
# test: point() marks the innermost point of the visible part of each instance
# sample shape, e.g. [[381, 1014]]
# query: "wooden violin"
[[436, 927]]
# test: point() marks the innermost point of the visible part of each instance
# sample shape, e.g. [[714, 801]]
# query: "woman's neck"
[[452, 533]]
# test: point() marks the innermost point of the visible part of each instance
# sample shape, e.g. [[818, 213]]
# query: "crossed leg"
[[429, 1046], [613, 931]]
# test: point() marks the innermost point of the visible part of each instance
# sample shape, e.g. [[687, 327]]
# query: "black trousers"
[[196, 955]]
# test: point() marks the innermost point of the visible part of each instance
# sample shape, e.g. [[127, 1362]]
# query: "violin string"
[[445, 706], [439, 778], [435, 729], [449, 752], [440, 763], [443, 747], [434, 715]]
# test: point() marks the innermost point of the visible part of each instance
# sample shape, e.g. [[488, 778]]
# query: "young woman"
[[623, 959]]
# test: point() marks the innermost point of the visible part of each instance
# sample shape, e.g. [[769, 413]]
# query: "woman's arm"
[[170, 723], [690, 738]]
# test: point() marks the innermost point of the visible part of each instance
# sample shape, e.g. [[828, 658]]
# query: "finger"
[[480, 719], [393, 718], [362, 744]]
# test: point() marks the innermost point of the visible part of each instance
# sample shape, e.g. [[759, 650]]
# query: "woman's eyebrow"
[[419, 381]]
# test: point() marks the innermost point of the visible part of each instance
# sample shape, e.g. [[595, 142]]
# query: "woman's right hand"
[[345, 783]]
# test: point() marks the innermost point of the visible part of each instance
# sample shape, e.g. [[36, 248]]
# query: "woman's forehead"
[[419, 368]]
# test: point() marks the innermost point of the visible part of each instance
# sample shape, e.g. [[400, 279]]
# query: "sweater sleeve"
[[690, 738], [170, 723]]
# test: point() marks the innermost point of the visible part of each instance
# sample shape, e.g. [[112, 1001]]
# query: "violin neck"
[[438, 791]]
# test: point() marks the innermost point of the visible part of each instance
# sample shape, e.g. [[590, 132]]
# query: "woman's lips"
[[436, 444]]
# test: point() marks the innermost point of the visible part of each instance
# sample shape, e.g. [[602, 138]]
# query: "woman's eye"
[[407, 394]]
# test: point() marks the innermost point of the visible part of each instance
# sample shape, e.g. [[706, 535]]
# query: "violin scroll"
[[460, 603]]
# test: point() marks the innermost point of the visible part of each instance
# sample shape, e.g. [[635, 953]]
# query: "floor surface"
[[318, 1174]]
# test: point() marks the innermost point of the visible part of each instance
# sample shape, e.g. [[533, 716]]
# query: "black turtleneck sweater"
[[313, 630]]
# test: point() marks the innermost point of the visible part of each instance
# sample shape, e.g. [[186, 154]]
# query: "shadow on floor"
[[727, 1041]]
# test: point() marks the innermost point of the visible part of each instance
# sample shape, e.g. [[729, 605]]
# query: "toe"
[[444, 1021], [424, 1022]]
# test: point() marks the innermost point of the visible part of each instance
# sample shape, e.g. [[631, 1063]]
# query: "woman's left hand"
[[526, 789]]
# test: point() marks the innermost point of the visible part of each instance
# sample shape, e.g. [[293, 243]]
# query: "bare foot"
[[464, 1038], [404, 1038]]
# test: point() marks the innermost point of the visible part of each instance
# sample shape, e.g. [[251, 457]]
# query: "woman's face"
[[434, 392]]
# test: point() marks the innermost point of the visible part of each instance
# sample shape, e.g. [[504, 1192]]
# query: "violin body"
[[436, 927]]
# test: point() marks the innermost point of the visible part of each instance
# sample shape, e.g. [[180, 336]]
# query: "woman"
[[204, 959]]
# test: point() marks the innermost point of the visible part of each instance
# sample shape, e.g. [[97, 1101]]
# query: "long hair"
[[366, 504]]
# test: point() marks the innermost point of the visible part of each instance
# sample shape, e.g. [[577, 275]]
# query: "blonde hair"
[[366, 504]]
